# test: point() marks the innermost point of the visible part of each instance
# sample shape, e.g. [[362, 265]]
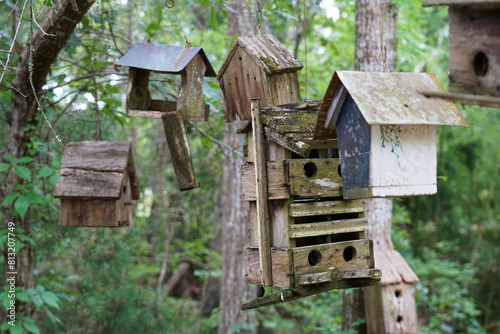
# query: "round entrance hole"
[[400, 318], [124, 189], [314, 257], [349, 253], [339, 170], [397, 293], [310, 169], [481, 64]]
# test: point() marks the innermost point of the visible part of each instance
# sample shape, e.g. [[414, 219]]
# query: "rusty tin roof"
[[391, 98], [163, 58], [267, 52]]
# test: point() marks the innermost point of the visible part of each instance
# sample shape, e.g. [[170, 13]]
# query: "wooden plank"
[[179, 151], [480, 100], [316, 278], [334, 110], [297, 146], [77, 183], [301, 292], [328, 227], [138, 95], [326, 208], [315, 177], [89, 213], [282, 269], [339, 256], [263, 223], [277, 186], [101, 156], [146, 114], [191, 102], [322, 143], [322, 277], [158, 107]]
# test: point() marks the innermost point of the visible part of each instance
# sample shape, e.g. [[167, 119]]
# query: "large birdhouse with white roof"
[[386, 131]]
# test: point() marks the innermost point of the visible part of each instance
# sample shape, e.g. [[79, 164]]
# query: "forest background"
[[89, 280]]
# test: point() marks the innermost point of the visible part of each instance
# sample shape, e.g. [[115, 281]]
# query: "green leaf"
[[31, 291], [52, 316], [9, 199], [24, 237], [23, 172], [37, 300], [40, 288], [30, 327], [4, 326], [50, 299], [56, 162], [21, 206], [3, 239], [33, 197], [53, 179], [112, 89], [22, 296], [46, 171], [10, 158], [24, 160], [4, 166], [16, 330]]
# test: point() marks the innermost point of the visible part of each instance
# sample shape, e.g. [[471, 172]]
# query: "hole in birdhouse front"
[[397, 293], [124, 189], [339, 170], [314, 257], [481, 64], [400, 318], [349, 253], [310, 169]]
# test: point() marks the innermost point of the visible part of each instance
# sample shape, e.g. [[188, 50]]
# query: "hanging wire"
[[169, 4], [305, 47], [259, 16], [383, 49]]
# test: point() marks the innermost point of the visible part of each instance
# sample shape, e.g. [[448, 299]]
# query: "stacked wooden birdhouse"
[[386, 131], [98, 184], [303, 234], [192, 64]]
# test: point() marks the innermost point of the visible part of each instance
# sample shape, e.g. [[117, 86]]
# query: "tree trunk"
[[369, 56], [58, 27], [234, 290]]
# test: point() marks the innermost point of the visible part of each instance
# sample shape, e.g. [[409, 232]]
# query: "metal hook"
[[167, 3]]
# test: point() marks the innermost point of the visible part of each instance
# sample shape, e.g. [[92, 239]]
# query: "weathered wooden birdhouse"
[[258, 67], [189, 62], [474, 45], [192, 64], [304, 236], [98, 184], [386, 131]]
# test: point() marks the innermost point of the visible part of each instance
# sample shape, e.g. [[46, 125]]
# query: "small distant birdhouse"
[[258, 67], [386, 131], [474, 45], [190, 62], [98, 184], [303, 235]]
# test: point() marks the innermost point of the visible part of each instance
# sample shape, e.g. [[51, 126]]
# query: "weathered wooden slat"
[[277, 185], [263, 221], [296, 146], [315, 177], [138, 95], [322, 144], [89, 213], [317, 278], [282, 270], [158, 107], [301, 292], [326, 208], [179, 151], [328, 227], [77, 183], [339, 256], [110, 156], [191, 103]]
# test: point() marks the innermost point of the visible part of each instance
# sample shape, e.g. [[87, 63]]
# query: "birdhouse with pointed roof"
[[258, 67], [98, 184], [474, 45], [386, 131], [189, 62]]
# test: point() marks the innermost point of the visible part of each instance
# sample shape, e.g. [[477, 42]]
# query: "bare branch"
[[221, 144]]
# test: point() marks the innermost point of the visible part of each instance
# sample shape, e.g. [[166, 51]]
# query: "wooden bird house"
[[304, 236], [386, 131], [98, 184], [258, 67], [189, 62], [474, 46]]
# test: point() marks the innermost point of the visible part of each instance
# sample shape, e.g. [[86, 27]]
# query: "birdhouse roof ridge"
[[391, 98], [267, 52], [163, 58]]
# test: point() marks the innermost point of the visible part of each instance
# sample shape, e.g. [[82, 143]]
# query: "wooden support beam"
[[261, 195], [179, 151], [480, 100], [301, 292], [326, 208], [328, 227]]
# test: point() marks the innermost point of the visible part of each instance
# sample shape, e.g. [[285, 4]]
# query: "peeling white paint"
[[327, 182]]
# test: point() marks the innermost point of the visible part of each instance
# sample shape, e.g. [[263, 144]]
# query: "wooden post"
[[179, 150], [260, 164]]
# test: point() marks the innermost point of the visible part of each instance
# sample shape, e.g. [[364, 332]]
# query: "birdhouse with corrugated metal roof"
[[258, 67], [386, 131], [474, 45], [303, 235], [189, 62], [98, 184]]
